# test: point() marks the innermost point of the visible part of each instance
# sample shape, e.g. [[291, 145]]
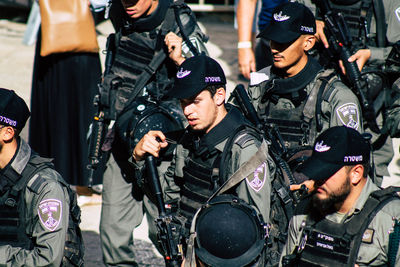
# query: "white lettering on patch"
[[307, 29], [8, 121], [322, 245], [353, 158], [348, 115], [212, 79], [50, 213]]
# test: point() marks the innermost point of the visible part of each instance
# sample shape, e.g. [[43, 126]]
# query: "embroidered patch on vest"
[[50, 212], [368, 236], [348, 115], [256, 180]]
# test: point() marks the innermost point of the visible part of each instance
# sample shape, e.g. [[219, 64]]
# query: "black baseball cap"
[[334, 148], [195, 74], [13, 109], [289, 21]]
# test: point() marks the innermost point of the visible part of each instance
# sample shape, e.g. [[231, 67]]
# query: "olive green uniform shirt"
[[259, 197], [374, 254], [333, 109], [48, 240]]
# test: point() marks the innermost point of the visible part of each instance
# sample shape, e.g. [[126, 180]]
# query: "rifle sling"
[[245, 170], [158, 58]]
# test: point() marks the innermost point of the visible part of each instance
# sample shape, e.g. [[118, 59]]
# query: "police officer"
[[374, 28], [348, 219], [146, 31], [215, 145], [227, 231], [34, 199], [296, 94]]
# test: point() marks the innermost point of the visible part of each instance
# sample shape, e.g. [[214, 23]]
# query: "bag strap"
[[20, 181], [312, 108], [375, 202]]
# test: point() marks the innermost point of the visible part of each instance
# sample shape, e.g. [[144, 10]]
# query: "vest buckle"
[[10, 202]]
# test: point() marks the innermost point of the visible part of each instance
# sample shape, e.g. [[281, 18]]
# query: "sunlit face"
[[138, 8], [201, 111], [287, 56]]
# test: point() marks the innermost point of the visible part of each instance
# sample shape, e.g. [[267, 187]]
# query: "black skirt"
[[63, 87]]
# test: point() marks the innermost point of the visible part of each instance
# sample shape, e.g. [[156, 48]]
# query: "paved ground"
[[16, 61]]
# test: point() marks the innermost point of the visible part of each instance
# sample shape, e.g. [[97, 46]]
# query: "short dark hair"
[[214, 87]]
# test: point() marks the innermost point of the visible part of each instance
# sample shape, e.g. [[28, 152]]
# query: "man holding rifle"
[[217, 142]]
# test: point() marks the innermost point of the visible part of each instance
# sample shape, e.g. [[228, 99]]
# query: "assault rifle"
[[277, 146], [172, 255], [340, 48], [99, 124]]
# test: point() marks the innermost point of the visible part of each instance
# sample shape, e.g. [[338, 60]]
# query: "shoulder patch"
[[50, 213], [348, 115], [256, 180], [242, 139], [368, 236]]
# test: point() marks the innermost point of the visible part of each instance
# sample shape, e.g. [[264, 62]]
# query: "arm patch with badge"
[[256, 180], [349, 115], [50, 213]]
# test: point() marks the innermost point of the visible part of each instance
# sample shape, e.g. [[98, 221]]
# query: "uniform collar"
[[22, 156], [221, 131], [14, 168], [150, 22], [368, 188], [290, 87]]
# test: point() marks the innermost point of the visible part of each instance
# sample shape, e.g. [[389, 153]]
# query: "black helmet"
[[229, 232]]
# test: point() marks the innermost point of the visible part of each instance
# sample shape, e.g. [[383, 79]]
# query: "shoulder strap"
[[241, 135], [246, 169], [375, 202], [35, 164], [380, 21], [319, 91], [158, 58], [177, 5]]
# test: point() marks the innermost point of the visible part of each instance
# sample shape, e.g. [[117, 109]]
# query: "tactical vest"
[[334, 244], [201, 180], [300, 126], [294, 130], [13, 211], [135, 54], [358, 16]]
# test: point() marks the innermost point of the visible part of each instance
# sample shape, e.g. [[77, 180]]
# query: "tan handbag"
[[67, 26]]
